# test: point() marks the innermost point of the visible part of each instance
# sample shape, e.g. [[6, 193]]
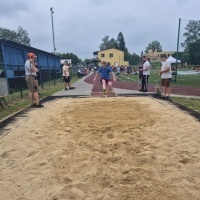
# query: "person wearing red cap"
[[31, 79]]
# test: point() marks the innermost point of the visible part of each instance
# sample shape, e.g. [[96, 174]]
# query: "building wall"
[[12, 58], [113, 56], [4, 87], [155, 56]]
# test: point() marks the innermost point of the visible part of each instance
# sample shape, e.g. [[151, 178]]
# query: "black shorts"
[[66, 79]]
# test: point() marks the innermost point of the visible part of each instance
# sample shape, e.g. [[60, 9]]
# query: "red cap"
[[31, 55]]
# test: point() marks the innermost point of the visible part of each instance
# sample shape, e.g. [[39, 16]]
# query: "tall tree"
[[133, 59], [108, 43], [192, 32], [20, 35], [193, 52], [154, 45], [121, 42]]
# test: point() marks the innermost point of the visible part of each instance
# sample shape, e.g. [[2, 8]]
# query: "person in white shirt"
[[166, 75], [145, 76], [31, 80], [66, 75]]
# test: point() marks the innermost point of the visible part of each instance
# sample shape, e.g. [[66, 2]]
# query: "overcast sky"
[[80, 25]]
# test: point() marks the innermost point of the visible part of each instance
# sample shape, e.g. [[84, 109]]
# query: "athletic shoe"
[[104, 93], [168, 97], [71, 88], [66, 89], [39, 106], [145, 90], [33, 105]]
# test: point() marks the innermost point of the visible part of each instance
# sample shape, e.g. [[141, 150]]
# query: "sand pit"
[[102, 149]]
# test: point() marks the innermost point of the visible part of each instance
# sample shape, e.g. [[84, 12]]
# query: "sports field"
[[102, 149]]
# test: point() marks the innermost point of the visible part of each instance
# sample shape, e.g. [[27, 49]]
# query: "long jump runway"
[[114, 148]]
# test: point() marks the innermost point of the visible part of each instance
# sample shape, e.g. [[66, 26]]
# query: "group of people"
[[105, 72], [165, 73], [144, 72]]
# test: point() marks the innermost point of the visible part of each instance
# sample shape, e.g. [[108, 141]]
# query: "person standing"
[[31, 80], [145, 75], [105, 72], [66, 75], [166, 76], [140, 72]]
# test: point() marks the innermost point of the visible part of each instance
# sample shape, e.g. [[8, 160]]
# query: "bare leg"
[[104, 84], [36, 97], [109, 86], [31, 97], [168, 91]]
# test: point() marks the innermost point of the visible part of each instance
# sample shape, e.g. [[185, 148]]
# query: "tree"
[[193, 52], [154, 45], [121, 42], [192, 32], [20, 36], [74, 58], [108, 44], [133, 59]]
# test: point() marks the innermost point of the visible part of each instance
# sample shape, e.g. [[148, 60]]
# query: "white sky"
[[80, 25]]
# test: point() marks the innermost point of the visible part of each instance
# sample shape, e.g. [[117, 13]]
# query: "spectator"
[[31, 79], [166, 75], [146, 74]]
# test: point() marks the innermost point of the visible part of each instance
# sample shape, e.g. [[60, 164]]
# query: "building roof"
[[96, 52], [25, 46]]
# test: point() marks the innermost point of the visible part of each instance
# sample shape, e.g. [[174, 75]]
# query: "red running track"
[[179, 90]]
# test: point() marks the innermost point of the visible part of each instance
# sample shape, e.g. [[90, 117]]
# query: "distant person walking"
[[31, 80], [166, 76], [66, 76], [145, 76], [105, 71]]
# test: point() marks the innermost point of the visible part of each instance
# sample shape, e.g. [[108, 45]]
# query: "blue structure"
[[13, 56]]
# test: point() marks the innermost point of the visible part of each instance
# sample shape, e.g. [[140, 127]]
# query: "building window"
[[102, 55], [111, 55]]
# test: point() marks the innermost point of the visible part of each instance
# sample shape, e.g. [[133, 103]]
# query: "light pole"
[[54, 48]]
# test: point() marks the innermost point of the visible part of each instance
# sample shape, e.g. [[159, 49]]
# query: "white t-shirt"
[[168, 74], [28, 67], [146, 65], [65, 70]]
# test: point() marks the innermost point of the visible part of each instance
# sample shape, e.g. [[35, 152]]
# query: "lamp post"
[[54, 48]]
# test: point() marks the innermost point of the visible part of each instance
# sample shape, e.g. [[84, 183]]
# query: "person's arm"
[[114, 78], [167, 69], [95, 77], [33, 68], [99, 71]]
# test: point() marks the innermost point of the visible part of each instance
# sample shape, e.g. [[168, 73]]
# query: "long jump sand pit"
[[102, 149]]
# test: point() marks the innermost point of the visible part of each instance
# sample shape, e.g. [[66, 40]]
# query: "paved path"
[[81, 89]]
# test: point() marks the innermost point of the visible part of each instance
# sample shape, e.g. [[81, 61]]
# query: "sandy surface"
[[102, 149]]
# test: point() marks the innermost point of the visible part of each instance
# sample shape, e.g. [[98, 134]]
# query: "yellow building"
[[113, 56], [154, 56]]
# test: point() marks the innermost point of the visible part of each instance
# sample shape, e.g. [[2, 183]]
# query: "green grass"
[[193, 104], [17, 103], [182, 80]]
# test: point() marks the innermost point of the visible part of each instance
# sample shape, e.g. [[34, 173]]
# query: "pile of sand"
[[102, 149]]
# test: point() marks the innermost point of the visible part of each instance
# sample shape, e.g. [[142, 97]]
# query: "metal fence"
[[46, 77]]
